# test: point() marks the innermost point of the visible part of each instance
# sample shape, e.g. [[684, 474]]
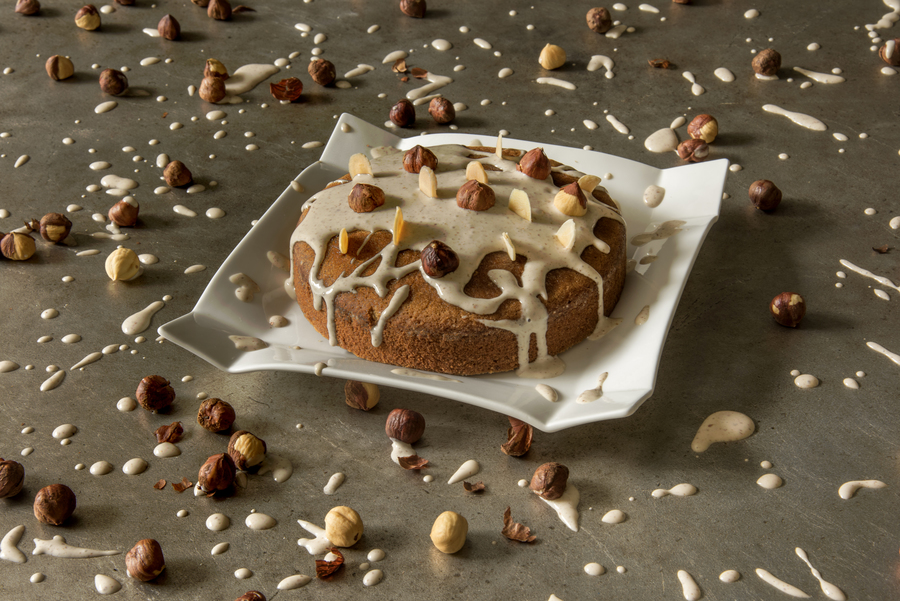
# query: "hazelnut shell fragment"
[[535, 164], [124, 213], [145, 560], [703, 127], [417, 157], [220, 10], [549, 480], [322, 71], [217, 473], [154, 393], [59, 67], [169, 28], [599, 20], [28, 7], [403, 114], [12, 477], [766, 62], [405, 425], [788, 309], [55, 227], [518, 438], [87, 17], [343, 526], [413, 8], [448, 533], [246, 449], [212, 89], [17, 247], [438, 259], [693, 151], [215, 415], [361, 395], [764, 195], [365, 198], [177, 175], [171, 433], [475, 196], [54, 504], [441, 110], [113, 82], [288, 89]]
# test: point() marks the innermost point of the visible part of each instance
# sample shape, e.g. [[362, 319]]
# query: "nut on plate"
[[535, 164], [361, 395], [598, 20], [28, 7], [693, 151], [125, 212], [215, 415], [788, 308], [322, 71], [403, 114], [113, 82], [365, 198], [703, 127], [215, 68], [549, 480], [288, 90], [54, 504], [220, 10], [438, 259], [122, 265], [145, 560], [475, 196], [441, 110], [251, 596], [176, 174], [212, 88], [764, 195], [169, 28], [890, 52], [552, 57], [766, 62], [12, 477], [217, 473], [55, 227], [154, 393], [17, 247], [413, 8], [343, 526], [570, 200], [405, 425], [246, 449], [449, 532], [417, 157], [59, 67], [87, 17]]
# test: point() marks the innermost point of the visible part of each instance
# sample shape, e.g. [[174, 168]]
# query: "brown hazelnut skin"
[[28, 7], [17, 247], [154, 393], [438, 259], [176, 174], [59, 67], [123, 213], [894, 59], [322, 71], [55, 227], [764, 195], [766, 62], [212, 89], [405, 425], [693, 151], [403, 114], [169, 28], [361, 395], [125, 2], [413, 8], [441, 110], [145, 560], [217, 473], [220, 10], [417, 157], [598, 20], [475, 196], [365, 198], [289, 89], [215, 415], [54, 504], [113, 82], [703, 127], [788, 308], [549, 480], [251, 596], [12, 477], [215, 68], [535, 164]]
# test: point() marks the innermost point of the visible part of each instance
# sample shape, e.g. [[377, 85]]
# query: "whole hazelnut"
[[59, 67], [552, 57], [535, 164], [55, 227], [361, 395], [17, 247], [176, 174], [413, 8], [113, 82], [448, 533], [765, 195], [251, 596], [438, 259], [403, 114], [12, 477], [145, 560], [549, 480], [28, 7], [766, 62], [598, 20], [405, 425], [890, 52], [693, 151], [169, 28], [343, 526], [215, 68], [788, 309], [288, 89], [417, 157], [703, 127], [322, 71], [475, 196], [246, 449], [54, 504], [212, 89], [125, 212], [441, 110], [87, 17], [570, 200], [154, 393], [122, 265], [220, 10], [365, 198], [217, 473], [215, 415]]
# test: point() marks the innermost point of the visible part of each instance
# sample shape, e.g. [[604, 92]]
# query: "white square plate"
[[629, 354]]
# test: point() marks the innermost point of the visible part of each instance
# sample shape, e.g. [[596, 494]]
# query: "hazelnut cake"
[[460, 260]]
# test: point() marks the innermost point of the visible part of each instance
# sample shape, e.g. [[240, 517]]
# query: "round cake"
[[460, 260]]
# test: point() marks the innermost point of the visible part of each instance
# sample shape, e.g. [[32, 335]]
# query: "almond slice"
[[359, 164], [499, 150], [570, 200], [475, 170], [520, 204], [428, 182], [343, 241], [510, 247], [588, 183], [565, 235], [398, 226]]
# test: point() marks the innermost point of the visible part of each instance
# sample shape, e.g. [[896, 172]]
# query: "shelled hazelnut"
[[215, 68], [59, 67], [361, 395], [405, 425], [154, 393], [570, 200], [365, 198], [549, 480], [552, 57], [113, 82], [17, 247], [54, 504], [177, 175], [413, 8], [764, 195], [788, 309], [122, 265], [217, 473], [766, 62], [87, 17], [475, 196], [438, 259], [693, 151], [535, 164], [448, 533], [28, 7], [417, 157], [322, 71], [220, 10], [215, 415], [441, 110], [703, 127], [212, 88], [125, 212], [55, 227], [145, 560], [169, 28], [598, 20], [890, 52], [12, 477], [246, 449], [343, 526], [403, 114]]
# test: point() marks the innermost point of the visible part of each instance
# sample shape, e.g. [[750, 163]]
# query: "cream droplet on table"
[[730, 576], [106, 585], [8, 546], [770, 481], [681, 490], [260, 521], [689, 587], [848, 489], [466, 470], [294, 582], [140, 321], [722, 426], [566, 506], [806, 381], [614, 516], [594, 569], [831, 591], [779, 584], [166, 450], [334, 483]]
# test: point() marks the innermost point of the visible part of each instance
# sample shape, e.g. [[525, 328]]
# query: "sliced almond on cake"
[[359, 164], [588, 183], [510, 247], [343, 241], [565, 235], [475, 170], [398, 226], [428, 182], [499, 151], [520, 204]]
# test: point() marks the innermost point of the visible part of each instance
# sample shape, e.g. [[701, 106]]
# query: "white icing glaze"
[[722, 426]]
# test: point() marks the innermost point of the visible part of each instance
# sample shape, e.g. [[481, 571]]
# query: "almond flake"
[[343, 241], [359, 165], [565, 235], [510, 247], [588, 183], [499, 150], [428, 182], [475, 170], [520, 204], [398, 226]]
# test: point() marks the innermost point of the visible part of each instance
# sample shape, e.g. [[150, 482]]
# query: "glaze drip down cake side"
[[458, 260]]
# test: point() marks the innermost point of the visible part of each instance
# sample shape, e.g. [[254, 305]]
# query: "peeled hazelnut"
[[246, 449], [549, 480], [215, 415], [322, 71], [552, 57], [251, 596], [28, 7], [212, 89], [343, 526], [441, 110], [403, 114], [55, 227], [87, 17], [693, 151], [438, 259], [890, 52], [217, 473], [12, 476], [417, 157], [59, 67], [176, 174], [215, 68], [405, 425], [220, 10], [169, 28], [598, 20], [449, 532], [145, 561], [113, 82], [475, 196], [570, 200], [125, 212], [154, 393], [288, 89], [766, 62], [365, 198], [54, 504], [17, 247], [703, 127], [535, 164], [413, 8], [765, 195], [122, 265], [361, 395], [788, 309]]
